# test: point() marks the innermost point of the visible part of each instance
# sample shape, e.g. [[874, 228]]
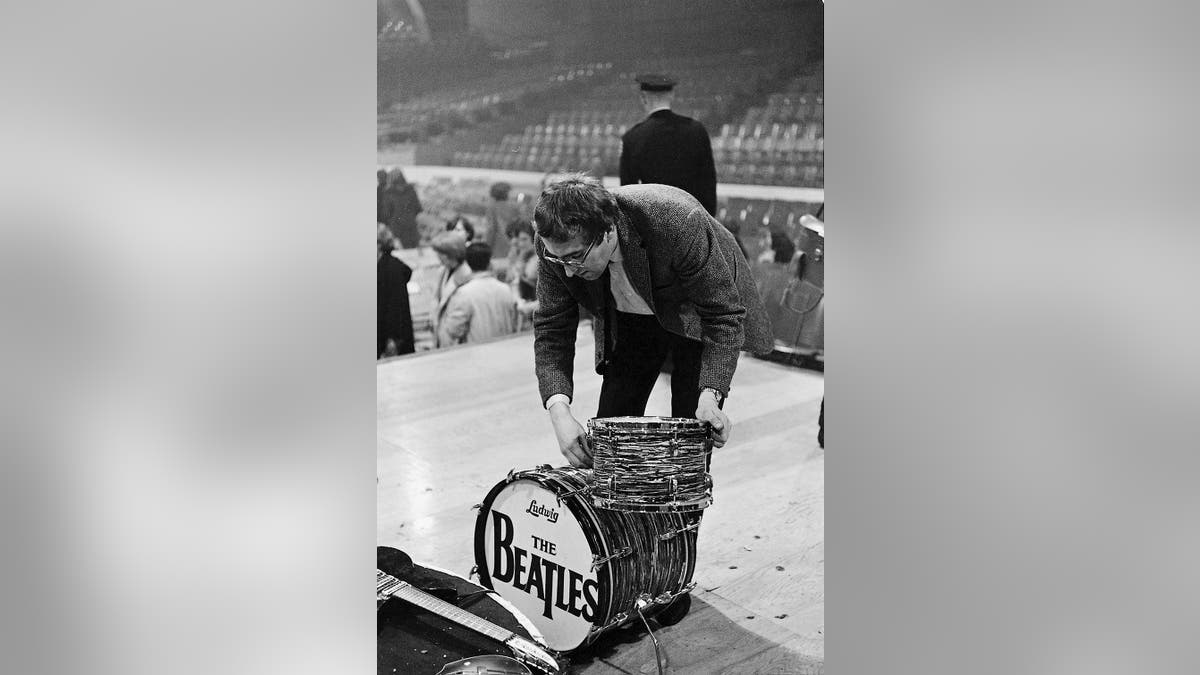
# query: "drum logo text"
[[536, 509], [555, 585]]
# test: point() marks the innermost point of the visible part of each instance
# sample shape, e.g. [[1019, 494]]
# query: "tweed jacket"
[[686, 266], [671, 149]]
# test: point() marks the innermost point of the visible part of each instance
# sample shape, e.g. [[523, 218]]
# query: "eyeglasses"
[[576, 261]]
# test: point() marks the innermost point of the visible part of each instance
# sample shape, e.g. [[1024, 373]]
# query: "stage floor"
[[452, 423]]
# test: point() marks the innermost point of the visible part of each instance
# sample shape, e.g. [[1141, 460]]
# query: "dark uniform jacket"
[[393, 316], [686, 266], [674, 150]]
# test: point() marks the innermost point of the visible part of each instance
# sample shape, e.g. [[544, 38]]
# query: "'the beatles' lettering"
[[556, 585]]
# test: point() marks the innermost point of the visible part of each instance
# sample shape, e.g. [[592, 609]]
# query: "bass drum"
[[575, 570]]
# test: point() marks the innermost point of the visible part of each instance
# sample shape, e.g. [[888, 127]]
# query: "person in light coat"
[[481, 308]]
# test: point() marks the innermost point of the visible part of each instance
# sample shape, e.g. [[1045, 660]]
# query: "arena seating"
[[583, 131], [779, 143], [472, 102]]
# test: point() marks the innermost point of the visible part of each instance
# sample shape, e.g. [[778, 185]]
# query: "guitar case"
[[412, 640]]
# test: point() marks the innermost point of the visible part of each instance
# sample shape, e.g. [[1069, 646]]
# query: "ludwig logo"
[[536, 509]]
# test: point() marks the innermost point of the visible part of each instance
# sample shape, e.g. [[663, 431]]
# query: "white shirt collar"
[[616, 256]]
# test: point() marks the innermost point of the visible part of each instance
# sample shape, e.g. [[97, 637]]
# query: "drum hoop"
[[594, 536], [690, 506], [649, 423]]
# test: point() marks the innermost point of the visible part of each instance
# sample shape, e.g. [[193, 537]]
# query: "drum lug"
[[570, 493], [478, 506], [665, 598], [616, 621], [474, 571], [597, 561], [675, 533]]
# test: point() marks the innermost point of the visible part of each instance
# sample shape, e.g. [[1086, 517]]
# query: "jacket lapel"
[[636, 262]]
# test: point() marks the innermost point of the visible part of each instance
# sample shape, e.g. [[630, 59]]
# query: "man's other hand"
[[573, 441], [708, 410]]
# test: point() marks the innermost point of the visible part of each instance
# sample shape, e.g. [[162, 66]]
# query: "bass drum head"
[[535, 553]]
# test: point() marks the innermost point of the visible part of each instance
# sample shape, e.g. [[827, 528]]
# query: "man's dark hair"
[[499, 191], [575, 205], [479, 256], [517, 227]]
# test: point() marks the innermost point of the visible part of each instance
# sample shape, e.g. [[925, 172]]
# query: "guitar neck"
[[387, 585]]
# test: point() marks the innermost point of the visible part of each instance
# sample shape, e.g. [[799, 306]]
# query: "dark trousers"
[[642, 345]]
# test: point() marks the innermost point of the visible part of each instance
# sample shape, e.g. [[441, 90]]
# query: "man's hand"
[[572, 438], [708, 410]]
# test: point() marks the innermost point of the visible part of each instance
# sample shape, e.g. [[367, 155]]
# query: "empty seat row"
[[784, 176]]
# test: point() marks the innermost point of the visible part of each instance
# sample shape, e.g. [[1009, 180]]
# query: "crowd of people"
[[472, 300]]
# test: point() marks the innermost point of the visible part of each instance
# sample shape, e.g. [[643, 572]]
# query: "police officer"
[[668, 148]]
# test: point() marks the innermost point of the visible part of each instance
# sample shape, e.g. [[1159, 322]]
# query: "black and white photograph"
[[592, 437], [600, 354]]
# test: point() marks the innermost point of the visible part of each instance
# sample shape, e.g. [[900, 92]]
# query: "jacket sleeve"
[[458, 318], [555, 323], [707, 276]]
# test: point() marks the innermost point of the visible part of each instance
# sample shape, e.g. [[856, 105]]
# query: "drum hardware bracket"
[[513, 474], [570, 493], [642, 600], [616, 621], [478, 506], [668, 597], [597, 561], [675, 533]]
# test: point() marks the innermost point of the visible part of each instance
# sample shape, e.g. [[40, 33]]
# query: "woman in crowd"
[[499, 215], [460, 224], [451, 249], [522, 270]]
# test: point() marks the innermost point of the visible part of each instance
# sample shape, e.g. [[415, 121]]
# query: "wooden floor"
[[452, 423]]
